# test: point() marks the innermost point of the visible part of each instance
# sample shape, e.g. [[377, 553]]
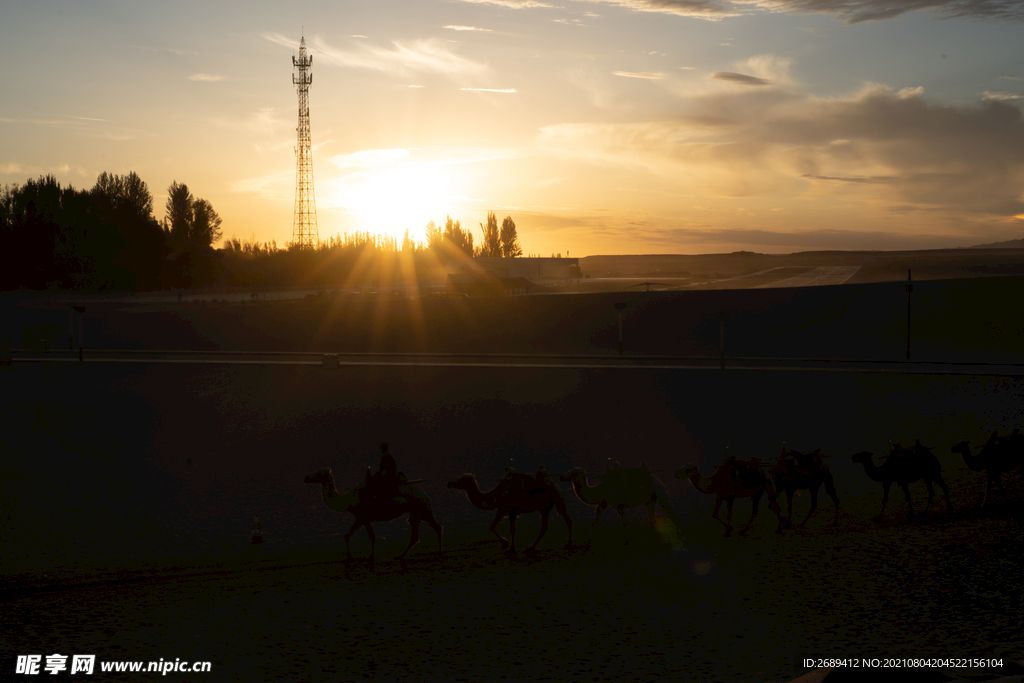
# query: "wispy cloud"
[[649, 75], [742, 79], [849, 11], [886, 147], [11, 168], [514, 4], [430, 55], [371, 158], [164, 49], [205, 77], [857, 11], [704, 9], [998, 95], [455, 27], [501, 90], [876, 180], [279, 185]]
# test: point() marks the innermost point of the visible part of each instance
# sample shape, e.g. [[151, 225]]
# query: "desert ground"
[[129, 489]]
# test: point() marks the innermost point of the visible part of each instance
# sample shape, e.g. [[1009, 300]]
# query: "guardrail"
[[521, 360]]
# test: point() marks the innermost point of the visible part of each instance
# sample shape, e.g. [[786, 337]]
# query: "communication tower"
[[304, 232]]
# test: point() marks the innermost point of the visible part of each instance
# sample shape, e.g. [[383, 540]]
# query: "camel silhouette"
[[1000, 454], [731, 480], [621, 488], [797, 471], [905, 466], [368, 509], [515, 494]]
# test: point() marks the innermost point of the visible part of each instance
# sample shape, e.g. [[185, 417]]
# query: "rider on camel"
[[386, 481]]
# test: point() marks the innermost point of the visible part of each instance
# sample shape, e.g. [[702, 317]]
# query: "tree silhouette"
[[179, 214], [128, 245], [434, 235], [509, 239], [462, 239], [491, 245], [205, 229]]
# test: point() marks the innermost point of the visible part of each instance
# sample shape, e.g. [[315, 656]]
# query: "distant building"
[[533, 269], [484, 283], [492, 276]]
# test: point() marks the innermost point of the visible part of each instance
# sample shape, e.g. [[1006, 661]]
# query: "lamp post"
[[721, 315], [71, 326], [81, 333], [910, 288], [619, 306]]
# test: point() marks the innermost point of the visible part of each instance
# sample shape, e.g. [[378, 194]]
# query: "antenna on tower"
[[304, 230]]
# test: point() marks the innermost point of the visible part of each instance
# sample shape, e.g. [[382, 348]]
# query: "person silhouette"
[[387, 476]]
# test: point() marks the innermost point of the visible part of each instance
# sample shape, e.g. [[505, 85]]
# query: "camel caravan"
[[388, 494]]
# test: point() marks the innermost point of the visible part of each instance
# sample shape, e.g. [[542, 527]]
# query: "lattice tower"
[[304, 232]]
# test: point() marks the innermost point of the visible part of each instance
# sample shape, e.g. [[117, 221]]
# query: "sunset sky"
[[601, 127]]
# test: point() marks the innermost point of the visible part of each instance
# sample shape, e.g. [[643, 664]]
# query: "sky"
[[600, 126]]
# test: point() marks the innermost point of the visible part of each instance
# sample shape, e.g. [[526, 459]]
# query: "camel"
[[734, 480], [621, 489], [1000, 454], [368, 509], [797, 471], [905, 466], [515, 494]]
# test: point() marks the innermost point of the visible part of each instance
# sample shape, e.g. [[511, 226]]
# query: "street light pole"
[[71, 326], [721, 315], [910, 288], [619, 307], [81, 334]]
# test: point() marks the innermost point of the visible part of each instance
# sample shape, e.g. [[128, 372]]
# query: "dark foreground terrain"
[[129, 490]]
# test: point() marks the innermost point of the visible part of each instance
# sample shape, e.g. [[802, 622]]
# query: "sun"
[[392, 193]]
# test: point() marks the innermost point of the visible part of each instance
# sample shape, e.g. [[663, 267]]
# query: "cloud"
[[164, 49], [404, 58], [879, 147], [1002, 96], [873, 181], [205, 77], [501, 90], [371, 158], [856, 11], [849, 11], [514, 4], [651, 75], [704, 9], [455, 27], [742, 79], [11, 168], [279, 185]]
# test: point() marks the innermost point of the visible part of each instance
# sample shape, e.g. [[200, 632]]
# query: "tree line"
[[503, 242], [106, 237]]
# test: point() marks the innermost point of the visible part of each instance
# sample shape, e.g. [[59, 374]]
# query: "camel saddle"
[[530, 484], [745, 472]]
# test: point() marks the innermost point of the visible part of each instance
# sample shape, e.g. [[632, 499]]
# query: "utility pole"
[[910, 288], [304, 230], [81, 333], [721, 315], [619, 307]]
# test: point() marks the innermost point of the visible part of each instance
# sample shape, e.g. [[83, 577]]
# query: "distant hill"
[[1009, 244]]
